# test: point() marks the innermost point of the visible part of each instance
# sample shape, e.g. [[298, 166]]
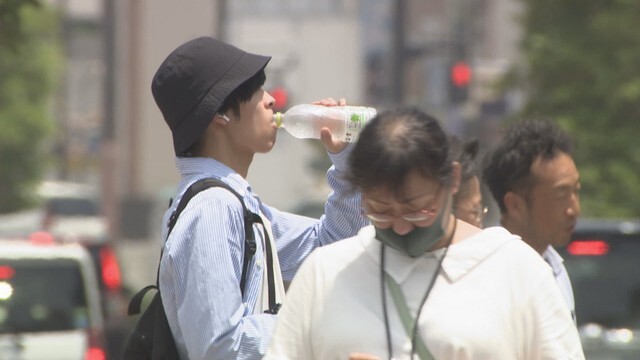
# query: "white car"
[[72, 211], [49, 301]]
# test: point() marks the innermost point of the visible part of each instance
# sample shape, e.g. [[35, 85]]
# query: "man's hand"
[[332, 146]]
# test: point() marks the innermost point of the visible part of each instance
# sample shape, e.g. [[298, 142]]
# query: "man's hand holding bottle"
[[333, 146]]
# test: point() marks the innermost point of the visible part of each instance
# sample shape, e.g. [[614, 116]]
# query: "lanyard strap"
[[410, 325], [405, 315]]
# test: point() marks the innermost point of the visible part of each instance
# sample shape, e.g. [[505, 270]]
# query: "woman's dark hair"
[[465, 152], [396, 142], [241, 94]]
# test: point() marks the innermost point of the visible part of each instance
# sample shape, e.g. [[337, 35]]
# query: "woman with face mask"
[[418, 283]]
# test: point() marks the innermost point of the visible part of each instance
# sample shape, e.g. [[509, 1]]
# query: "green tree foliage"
[[29, 63], [10, 20], [583, 70]]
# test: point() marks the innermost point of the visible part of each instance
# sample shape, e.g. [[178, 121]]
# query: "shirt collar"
[[551, 256], [195, 168], [461, 258]]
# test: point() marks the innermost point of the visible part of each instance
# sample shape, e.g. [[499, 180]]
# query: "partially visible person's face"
[[256, 131], [553, 204], [420, 198], [469, 202]]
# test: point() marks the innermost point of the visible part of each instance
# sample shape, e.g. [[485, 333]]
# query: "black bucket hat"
[[194, 80]]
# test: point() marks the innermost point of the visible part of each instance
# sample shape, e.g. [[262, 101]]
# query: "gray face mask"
[[419, 240]]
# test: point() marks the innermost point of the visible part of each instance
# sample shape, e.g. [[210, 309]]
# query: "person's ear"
[[514, 204]]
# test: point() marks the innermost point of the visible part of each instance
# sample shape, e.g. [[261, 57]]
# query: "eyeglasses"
[[414, 217], [419, 216], [477, 213]]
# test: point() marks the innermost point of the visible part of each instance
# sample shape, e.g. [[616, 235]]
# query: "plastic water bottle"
[[304, 121]]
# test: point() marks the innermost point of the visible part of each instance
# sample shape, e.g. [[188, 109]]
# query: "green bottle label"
[[355, 123]]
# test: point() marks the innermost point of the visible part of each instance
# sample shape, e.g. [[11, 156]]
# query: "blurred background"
[[79, 127], [76, 103]]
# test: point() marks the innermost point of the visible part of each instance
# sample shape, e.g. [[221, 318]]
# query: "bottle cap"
[[277, 118]]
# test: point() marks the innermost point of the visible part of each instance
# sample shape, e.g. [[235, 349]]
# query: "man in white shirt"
[[536, 184]]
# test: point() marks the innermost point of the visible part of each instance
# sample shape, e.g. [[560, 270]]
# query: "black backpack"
[[151, 337]]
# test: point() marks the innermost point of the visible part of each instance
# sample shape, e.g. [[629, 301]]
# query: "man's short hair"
[[508, 167]]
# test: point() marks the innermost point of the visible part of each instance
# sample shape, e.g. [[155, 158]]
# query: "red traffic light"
[[281, 96], [461, 74]]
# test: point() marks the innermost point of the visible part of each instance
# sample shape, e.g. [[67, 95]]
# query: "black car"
[[603, 262]]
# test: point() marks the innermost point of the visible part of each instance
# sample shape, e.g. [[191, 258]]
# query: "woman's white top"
[[495, 298]]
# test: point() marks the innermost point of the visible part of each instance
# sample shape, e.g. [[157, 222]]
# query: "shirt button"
[[259, 263]]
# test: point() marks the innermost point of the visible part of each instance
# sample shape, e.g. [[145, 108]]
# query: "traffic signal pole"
[[396, 95], [459, 73]]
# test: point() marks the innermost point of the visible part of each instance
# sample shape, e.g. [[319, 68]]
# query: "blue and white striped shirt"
[[202, 260]]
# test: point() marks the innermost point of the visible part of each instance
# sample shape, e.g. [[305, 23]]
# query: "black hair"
[[465, 152], [508, 167], [393, 144], [241, 94]]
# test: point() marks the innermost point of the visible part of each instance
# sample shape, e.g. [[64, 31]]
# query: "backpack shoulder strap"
[[135, 305], [248, 216], [192, 191], [249, 241]]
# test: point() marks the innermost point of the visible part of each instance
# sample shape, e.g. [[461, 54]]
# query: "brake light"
[[41, 238], [95, 353], [95, 350], [588, 248], [6, 272], [110, 270]]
